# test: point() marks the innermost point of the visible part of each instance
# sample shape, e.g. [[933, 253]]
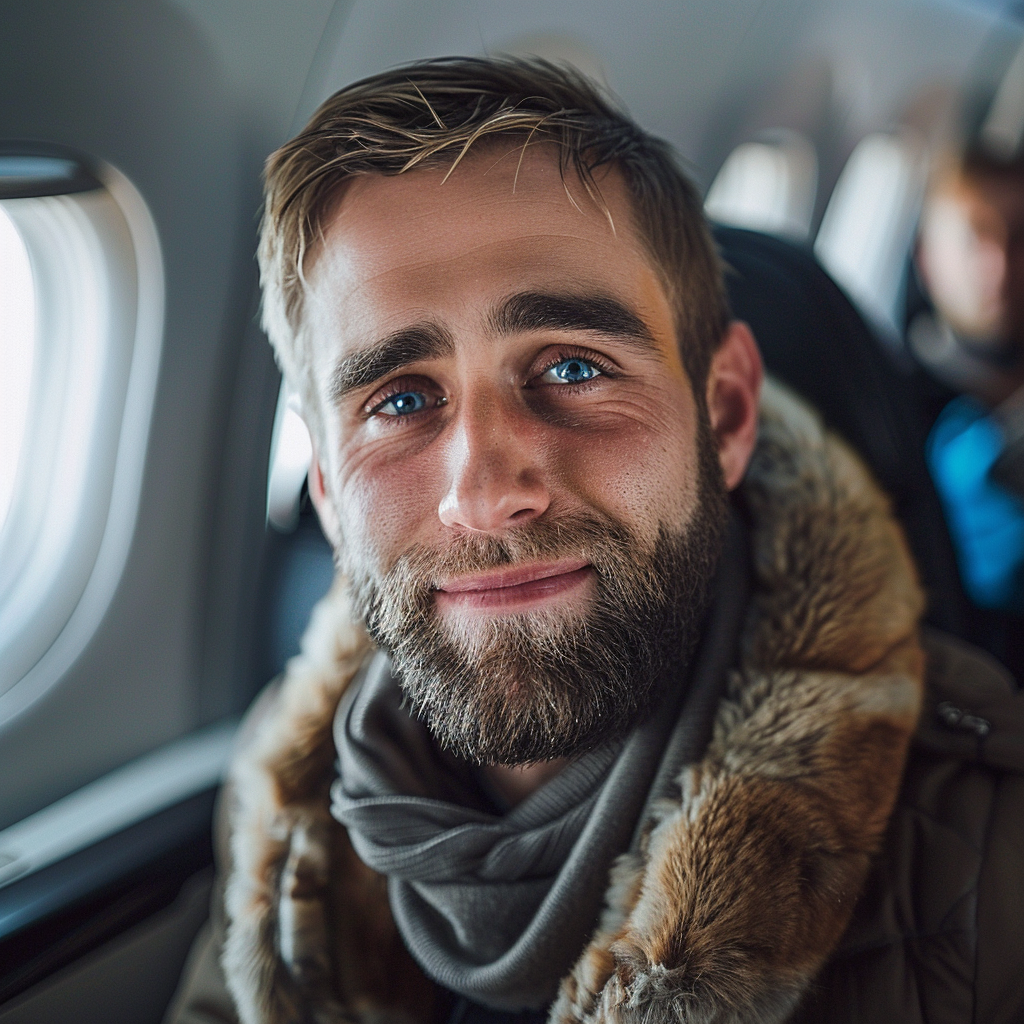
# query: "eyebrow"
[[598, 314], [367, 366], [519, 314]]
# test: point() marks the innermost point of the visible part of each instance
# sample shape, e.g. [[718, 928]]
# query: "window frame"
[[47, 640]]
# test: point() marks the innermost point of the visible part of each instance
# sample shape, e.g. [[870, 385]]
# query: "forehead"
[[430, 243]]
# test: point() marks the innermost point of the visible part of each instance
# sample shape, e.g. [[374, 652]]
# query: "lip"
[[515, 586]]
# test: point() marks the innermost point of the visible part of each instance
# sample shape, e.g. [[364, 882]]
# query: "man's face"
[[514, 474]]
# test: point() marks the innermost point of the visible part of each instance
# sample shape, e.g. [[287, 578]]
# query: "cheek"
[[637, 458], [388, 501]]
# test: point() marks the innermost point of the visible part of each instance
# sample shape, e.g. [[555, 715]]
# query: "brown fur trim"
[[743, 885]]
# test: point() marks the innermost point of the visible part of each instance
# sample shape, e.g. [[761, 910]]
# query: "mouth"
[[514, 587]]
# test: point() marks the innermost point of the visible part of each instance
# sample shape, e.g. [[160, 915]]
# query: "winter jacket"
[[849, 848]]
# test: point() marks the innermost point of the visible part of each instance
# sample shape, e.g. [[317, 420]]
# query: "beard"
[[516, 689]]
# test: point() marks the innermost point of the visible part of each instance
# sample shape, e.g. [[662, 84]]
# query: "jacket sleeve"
[[982, 714], [1000, 953]]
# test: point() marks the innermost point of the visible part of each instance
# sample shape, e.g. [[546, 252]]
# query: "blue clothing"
[[986, 520]]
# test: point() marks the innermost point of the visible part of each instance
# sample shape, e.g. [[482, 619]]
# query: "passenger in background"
[[970, 260]]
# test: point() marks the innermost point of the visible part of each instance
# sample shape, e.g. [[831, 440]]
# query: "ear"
[[322, 501], [733, 395]]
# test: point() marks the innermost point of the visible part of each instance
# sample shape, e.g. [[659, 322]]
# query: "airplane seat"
[[814, 340]]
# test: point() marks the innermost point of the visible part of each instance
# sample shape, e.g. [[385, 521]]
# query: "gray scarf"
[[497, 906]]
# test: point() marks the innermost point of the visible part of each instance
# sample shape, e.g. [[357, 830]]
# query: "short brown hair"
[[432, 112]]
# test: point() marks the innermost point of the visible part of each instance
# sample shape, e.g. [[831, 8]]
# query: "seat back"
[[813, 339]]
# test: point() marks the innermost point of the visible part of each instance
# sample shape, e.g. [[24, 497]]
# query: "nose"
[[495, 468]]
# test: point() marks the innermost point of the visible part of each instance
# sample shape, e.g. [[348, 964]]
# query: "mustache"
[[399, 609], [587, 535]]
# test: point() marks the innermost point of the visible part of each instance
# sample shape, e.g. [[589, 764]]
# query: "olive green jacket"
[[938, 934]]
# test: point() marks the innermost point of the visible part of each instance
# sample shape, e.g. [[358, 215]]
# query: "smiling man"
[[608, 711]]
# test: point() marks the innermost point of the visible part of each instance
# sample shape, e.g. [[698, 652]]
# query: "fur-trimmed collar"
[[743, 886]]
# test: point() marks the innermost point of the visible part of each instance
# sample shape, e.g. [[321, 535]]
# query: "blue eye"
[[403, 403], [570, 371]]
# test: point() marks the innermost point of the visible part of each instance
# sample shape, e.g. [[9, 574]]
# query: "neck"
[[515, 784]]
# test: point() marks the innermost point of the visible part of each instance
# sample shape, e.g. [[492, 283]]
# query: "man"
[[970, 257], [607, 715]]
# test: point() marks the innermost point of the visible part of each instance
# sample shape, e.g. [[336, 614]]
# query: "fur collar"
[[744, 885]]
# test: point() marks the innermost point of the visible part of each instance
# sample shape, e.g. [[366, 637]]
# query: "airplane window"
[[17, 340], [79, 345], [869, 224], [767, 186]]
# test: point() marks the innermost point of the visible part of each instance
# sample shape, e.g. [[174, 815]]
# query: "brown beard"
[[529, 687]]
